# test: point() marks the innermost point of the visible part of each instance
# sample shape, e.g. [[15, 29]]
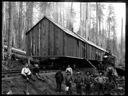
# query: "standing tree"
[[29, 15], [9, 32], [109, 21], [100, 14], [20, 25], [3, 28], [97, 31]]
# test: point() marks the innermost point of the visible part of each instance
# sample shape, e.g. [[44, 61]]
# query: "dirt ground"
[[37, 87]]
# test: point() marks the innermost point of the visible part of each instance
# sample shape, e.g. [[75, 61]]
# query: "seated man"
[[26, 73], [36, 71]]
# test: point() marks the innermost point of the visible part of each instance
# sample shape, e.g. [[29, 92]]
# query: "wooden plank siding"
[[51, 39], [37, 41], [34, 37], [47, 39], [32, 43], [56, 41], [27, 52], [42, 33], [46, 30], [65, 44]]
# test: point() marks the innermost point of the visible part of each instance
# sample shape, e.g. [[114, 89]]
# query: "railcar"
[[49, 39]]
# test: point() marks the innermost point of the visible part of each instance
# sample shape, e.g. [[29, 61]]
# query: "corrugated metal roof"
[[69, 32]]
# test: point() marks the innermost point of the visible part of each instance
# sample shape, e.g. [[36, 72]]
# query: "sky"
[[120, 13]]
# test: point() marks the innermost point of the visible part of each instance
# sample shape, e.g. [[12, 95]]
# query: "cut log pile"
[[17, 56]]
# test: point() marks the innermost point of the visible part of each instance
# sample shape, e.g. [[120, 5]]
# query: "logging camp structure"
[[49, 39]]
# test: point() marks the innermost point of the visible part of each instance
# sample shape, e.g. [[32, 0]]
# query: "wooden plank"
[[72, 43], [26, 42], [79, 48], [87, 52], [61, 42], [69, 45], [73, 47], [55, 41], [51, 39], [65, 44], [90, 52], [75, 42], [42, 38], [34, 35], [34, 41], [48, 39], [39, 40], [74, 53], [46, 27], [37, 50], [31, 43]]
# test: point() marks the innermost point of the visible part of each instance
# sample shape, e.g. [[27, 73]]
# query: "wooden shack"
[[48, 39]]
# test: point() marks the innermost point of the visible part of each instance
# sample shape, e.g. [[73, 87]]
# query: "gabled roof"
[[68, 32]]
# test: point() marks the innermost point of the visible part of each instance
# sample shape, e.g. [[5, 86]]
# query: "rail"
[[15, 73]]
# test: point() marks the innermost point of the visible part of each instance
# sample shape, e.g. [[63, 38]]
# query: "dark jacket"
[[59, 77]]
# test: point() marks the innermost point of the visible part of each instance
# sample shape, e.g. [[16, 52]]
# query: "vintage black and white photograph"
[[63, 48]]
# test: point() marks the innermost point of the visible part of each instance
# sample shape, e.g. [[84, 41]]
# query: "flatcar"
[[49, 39]]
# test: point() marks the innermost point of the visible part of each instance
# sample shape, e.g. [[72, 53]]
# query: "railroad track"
[[15, 73], [10, 73]]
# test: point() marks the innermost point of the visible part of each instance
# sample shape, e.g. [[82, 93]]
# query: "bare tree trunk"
[[9, 32], [3, 29], [29, 14], [109, 37], [121, 47], [96, 24], [20, 25], [86, 25], [80, 21]]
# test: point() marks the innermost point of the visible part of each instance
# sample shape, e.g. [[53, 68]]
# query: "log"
[[18, 56], [15, 50], [25, 58]]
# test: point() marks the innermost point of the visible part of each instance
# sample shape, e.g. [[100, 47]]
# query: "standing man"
[[59, 79], [68, 83], [79, 82], [100, 82], [69, 69], [87, 82]]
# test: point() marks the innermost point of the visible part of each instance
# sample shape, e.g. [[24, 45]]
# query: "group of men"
[[86, 83]]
